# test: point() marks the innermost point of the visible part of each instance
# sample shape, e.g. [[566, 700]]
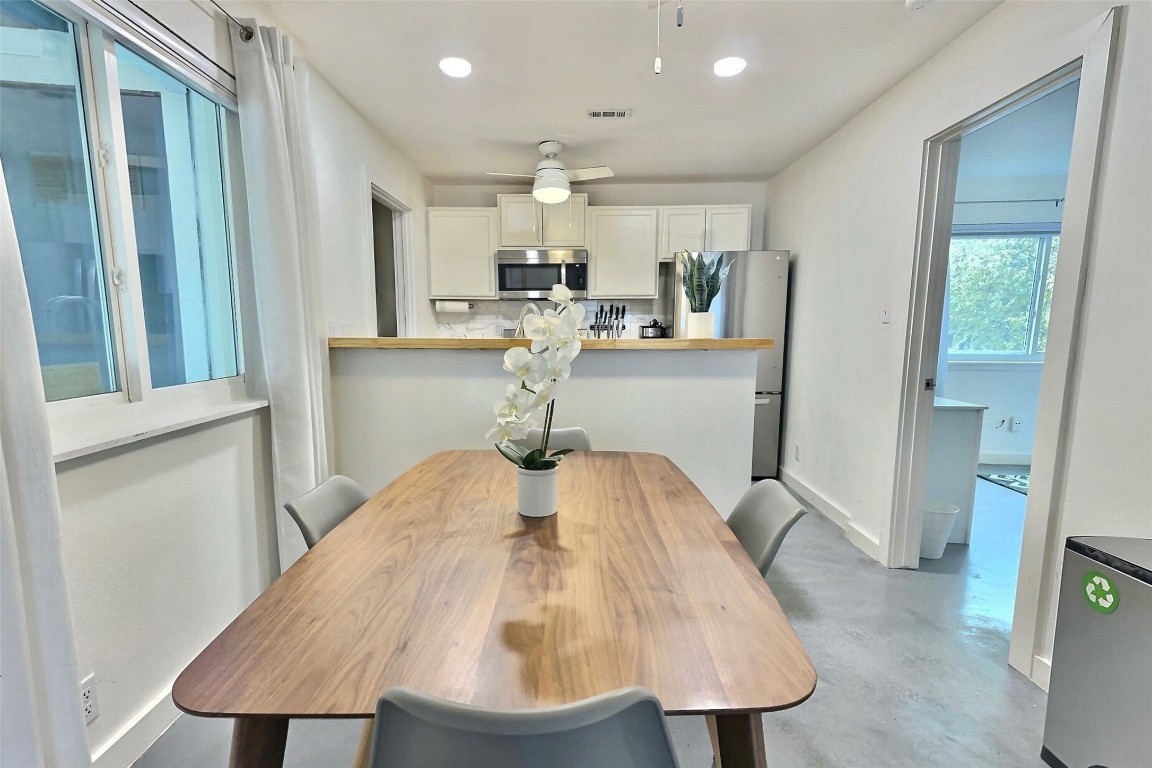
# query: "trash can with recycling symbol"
[[1099, 695]]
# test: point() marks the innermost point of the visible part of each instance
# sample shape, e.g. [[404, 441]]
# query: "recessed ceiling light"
[[454, 66], [733, 65]]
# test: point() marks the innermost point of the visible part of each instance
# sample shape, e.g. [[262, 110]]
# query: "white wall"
[[628, 400], [165, 542], [1011, 391], [848, 211], [1108, 486], [351, 155]]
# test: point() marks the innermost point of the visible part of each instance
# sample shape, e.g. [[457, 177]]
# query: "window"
[[44, 147], [121, 203], [1000, 295]]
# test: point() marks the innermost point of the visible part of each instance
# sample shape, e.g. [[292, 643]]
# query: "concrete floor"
[[913, 665]]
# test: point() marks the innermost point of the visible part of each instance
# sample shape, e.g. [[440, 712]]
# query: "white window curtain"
[[40, 720], [281, 193]]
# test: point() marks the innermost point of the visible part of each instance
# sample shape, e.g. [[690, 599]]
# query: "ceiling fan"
[[553, 180]]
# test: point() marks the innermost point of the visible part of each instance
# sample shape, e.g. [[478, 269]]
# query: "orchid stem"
[[547, 429]]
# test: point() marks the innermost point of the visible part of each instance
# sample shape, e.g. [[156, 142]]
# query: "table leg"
[[364, 748], [258, 742], [739, 740]]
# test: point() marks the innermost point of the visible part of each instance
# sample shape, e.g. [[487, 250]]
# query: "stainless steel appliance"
[[531, 273], [1101, 684], [654, 330], [753, 303]]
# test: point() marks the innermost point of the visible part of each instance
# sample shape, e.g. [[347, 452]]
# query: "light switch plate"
[[886, 314]]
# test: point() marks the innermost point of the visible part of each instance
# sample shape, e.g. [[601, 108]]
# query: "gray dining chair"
[[567, 437], [325, 507], [620, 729], [761, 520]]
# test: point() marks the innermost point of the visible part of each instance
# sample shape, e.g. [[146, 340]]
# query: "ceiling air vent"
[[609, 114]]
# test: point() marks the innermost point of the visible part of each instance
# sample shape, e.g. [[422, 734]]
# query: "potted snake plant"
[[702, 279]]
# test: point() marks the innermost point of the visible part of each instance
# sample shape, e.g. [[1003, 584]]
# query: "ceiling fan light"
[[550, 189]]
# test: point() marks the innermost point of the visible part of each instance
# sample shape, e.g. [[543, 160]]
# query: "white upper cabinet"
[[520, 221], [462, 246], [729, 228], [564, 223], [525, 223], [704, 228], [623, 252], [681, 229]]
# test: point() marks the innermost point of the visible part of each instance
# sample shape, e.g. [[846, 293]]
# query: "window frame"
[[98, 28], [1045, 231]]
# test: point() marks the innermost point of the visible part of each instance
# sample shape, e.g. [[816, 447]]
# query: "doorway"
[[1001, 267], [391, 260], [1039, 557]]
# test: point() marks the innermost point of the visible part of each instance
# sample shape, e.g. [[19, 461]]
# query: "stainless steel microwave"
[[531, 273]]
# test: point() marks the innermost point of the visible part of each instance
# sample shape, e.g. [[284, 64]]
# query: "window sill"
[[130, 423]]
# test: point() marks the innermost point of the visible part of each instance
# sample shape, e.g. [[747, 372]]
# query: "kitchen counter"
[[397, 401], [368, 342]]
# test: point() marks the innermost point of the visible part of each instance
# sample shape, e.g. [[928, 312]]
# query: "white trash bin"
[[939, 517]]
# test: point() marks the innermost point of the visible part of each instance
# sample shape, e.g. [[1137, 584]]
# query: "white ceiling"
[[538, 65]]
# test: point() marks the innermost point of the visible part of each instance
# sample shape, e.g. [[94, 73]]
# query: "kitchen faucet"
[[520, 320]]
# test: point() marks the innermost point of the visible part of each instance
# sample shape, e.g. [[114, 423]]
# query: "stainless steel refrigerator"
[[753, 303]]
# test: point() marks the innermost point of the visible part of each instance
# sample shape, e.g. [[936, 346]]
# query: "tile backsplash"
[[490, 318]]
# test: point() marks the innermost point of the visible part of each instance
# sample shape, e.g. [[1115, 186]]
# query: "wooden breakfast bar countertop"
[[372, 342]]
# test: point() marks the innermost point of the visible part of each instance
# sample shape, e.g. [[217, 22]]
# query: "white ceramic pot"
[[700, 325], [537, 491]]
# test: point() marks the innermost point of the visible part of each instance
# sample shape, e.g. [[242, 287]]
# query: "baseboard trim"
[[859, 538], [1013, 459], [1041, 672], [130, 742]]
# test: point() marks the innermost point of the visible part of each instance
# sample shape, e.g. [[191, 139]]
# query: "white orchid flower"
[[523, 364], [574, 313], [517, 404], [541, 327], [545, 393], [555, 341], [557, 364], [507, 431]]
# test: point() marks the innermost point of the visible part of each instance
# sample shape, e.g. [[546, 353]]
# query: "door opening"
[[384, 259], [1001, 263], [1039, 552]]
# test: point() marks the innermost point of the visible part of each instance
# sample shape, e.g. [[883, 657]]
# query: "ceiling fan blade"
[[587, 174], [517, 175]]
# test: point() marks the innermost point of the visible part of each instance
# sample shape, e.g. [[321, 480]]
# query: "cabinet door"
[[729, 228], [461, 253], [622, 251], [520, 221], [564, 223], [681, 229]]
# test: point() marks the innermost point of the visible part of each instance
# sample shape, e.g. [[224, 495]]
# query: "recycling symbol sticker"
[[1100, 592]]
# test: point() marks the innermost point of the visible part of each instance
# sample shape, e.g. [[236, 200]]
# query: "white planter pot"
[[700, 325], [537, 491]]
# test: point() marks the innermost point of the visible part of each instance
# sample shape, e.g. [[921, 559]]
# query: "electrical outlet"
[[1013, 424], [88, 703]]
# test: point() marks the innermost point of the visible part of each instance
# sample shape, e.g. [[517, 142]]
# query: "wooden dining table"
[[437, 584]]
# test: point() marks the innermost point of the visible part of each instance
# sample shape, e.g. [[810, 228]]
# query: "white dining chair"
[[761, 520], [325, 507], [625, 728], [574, 438]]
